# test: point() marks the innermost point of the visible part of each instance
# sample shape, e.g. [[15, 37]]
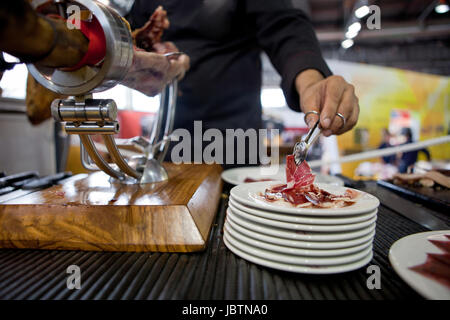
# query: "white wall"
[[24, 147]]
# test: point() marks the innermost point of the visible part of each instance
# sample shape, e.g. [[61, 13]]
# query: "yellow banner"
[[382, 90]]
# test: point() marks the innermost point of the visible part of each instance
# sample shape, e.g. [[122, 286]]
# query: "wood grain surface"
[[89, 212]]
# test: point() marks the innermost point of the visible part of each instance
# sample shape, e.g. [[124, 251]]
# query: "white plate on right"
[[239, 251], [310, 245], [300, 226], [297, 234], [412, 251], [322, 220], [293, 251]]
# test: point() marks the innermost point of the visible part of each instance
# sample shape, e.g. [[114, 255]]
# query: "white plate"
[[299, 243], [335, 220], [411, 251], [296, 268], [298, 260], [299, 235], [237, 176], [250, 195], [293, 251], [303, 227]]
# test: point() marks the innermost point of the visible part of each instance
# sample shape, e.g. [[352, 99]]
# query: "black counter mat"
[[214, 274]]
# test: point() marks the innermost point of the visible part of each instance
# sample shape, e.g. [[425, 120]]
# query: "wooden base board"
[[88, 212]]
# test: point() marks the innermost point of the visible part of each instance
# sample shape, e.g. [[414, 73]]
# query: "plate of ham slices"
[[300, 225], [299, 194], [317, 200]]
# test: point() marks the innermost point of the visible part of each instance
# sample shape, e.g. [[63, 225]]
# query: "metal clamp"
[[87, 117]]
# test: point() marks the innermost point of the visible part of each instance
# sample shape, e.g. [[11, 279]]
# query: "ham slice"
[[298, 176], [301, 192]]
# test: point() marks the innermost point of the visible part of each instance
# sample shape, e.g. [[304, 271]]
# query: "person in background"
[[386, 143], [407, 159]]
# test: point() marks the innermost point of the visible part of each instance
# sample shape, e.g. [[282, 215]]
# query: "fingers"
[[334, 90], [345, 108], [353, 119], [310, 102], [328, 97]]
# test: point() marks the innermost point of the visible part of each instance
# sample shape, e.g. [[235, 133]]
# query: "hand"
[[327, 96], [152, 71]]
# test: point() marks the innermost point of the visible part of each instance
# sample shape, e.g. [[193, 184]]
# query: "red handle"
[[97, 44]]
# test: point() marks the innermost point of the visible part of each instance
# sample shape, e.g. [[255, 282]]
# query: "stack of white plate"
[[305, 240]]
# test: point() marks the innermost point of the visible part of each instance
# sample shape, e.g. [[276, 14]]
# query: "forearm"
[[288, 37]]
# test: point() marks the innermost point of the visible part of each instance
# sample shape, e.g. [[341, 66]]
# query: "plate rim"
[[307, 260], [228, 171], [304, 227], [317, 245], [307, 252], [337, 182], [347, 211], [291, 217], [399, 268], [314, 237], [296, 269]]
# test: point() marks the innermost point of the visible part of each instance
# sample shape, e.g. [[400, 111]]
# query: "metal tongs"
[[301, 148]]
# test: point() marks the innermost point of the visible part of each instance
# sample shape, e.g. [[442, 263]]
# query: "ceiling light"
[[351, 34], [347, 43], [442, 8], [361, 12], [354, 27]]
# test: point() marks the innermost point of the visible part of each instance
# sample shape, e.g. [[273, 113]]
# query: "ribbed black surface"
[[214, 274]]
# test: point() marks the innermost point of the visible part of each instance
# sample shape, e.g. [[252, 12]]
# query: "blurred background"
[[399, 64]]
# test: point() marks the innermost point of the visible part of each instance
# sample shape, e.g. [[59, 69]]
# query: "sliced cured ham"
[[300, 190], [298, 176]]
